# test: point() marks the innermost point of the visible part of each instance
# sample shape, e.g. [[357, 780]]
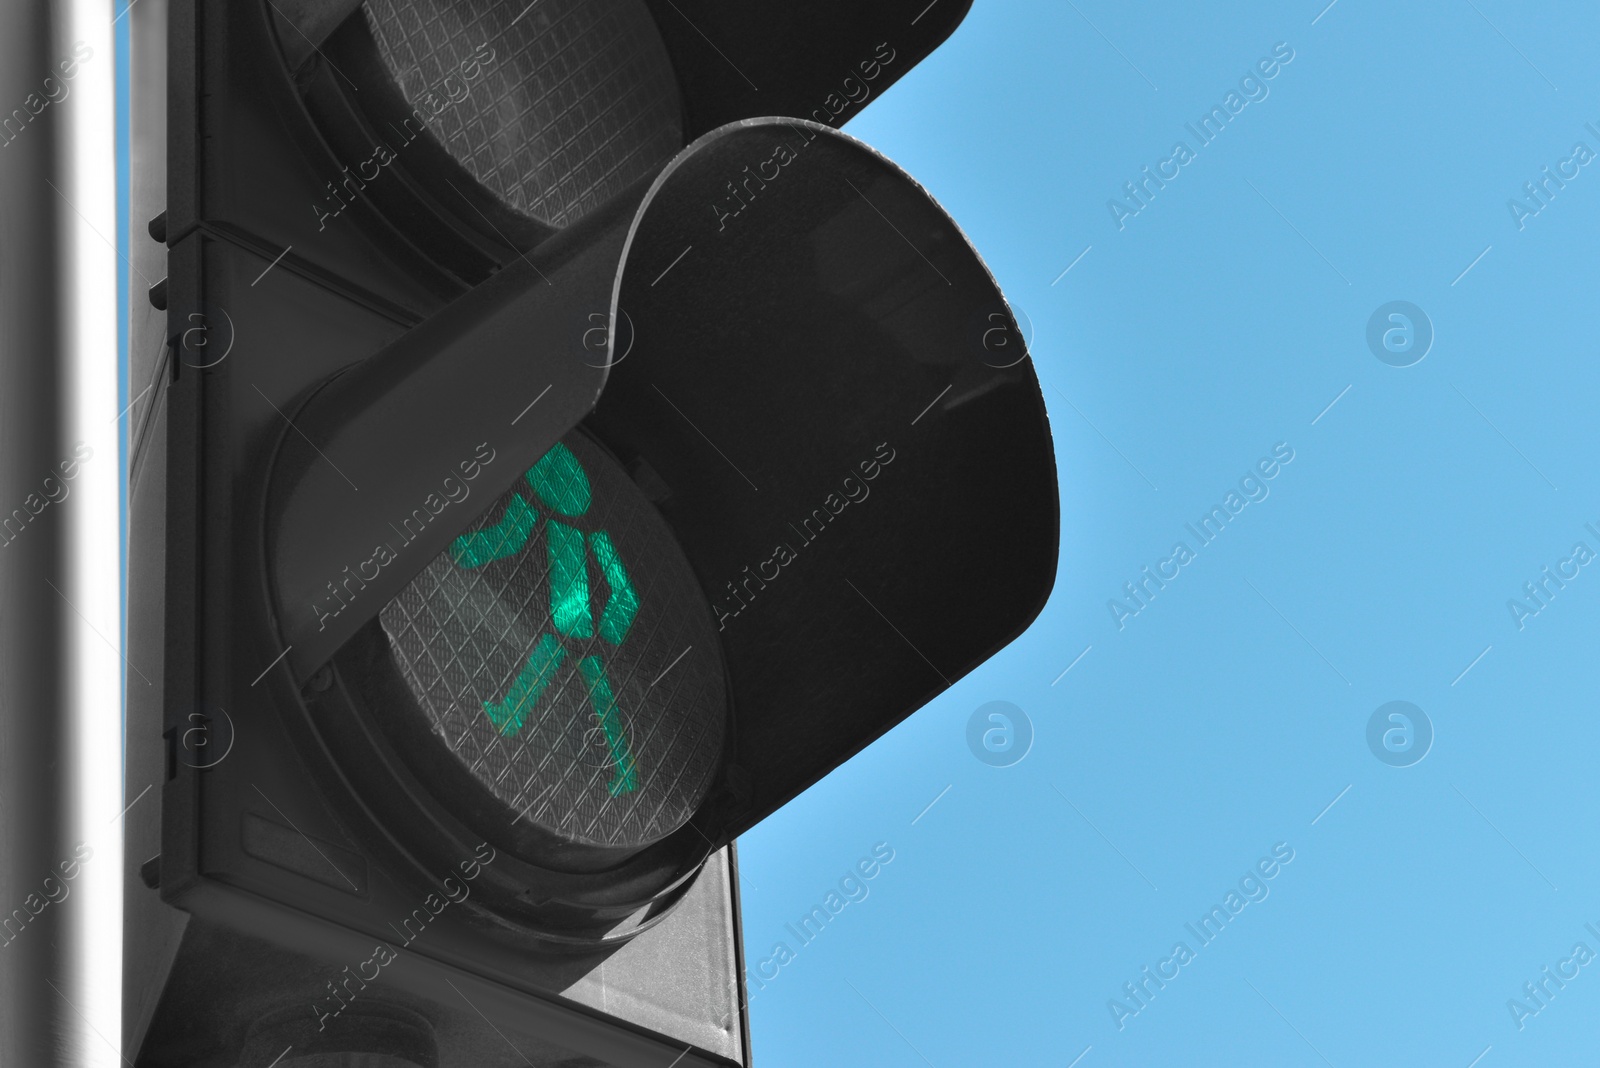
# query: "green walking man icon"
[[559, 481]]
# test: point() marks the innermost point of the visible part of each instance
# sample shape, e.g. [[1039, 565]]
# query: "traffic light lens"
[[562, 651], [559, 480], [553, 105]]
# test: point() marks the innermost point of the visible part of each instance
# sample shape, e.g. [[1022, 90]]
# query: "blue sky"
[[1219, 322]]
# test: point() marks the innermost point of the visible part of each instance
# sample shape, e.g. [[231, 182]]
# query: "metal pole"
[[60, 580]]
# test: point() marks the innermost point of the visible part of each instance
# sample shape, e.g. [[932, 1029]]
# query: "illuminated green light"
[[623, 604], [605, 710], [530, 684], [560, 482], [569, 581], [505, 538], [529, 647]]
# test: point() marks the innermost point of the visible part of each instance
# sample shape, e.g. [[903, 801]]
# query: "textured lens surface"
[[553, 105], [562, 650]]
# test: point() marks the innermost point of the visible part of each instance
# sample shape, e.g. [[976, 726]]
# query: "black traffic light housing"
[[800, 362]]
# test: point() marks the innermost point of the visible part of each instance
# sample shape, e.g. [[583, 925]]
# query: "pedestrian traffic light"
[[573, 450]]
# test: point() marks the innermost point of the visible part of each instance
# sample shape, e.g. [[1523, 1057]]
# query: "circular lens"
[[553, 105], [562, 652]]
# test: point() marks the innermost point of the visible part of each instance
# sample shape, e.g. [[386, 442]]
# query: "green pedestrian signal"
[[563, 652], [559, 480]]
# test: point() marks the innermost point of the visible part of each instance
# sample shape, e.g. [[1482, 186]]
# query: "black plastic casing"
[[290, 868]]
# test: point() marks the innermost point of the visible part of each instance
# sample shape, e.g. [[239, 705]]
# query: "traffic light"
[[573, 449]]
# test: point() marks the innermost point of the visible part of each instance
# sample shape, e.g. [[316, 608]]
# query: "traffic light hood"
[[538, 529], [808, 369]]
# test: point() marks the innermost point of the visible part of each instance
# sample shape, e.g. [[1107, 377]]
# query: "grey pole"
[[61, 668]]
